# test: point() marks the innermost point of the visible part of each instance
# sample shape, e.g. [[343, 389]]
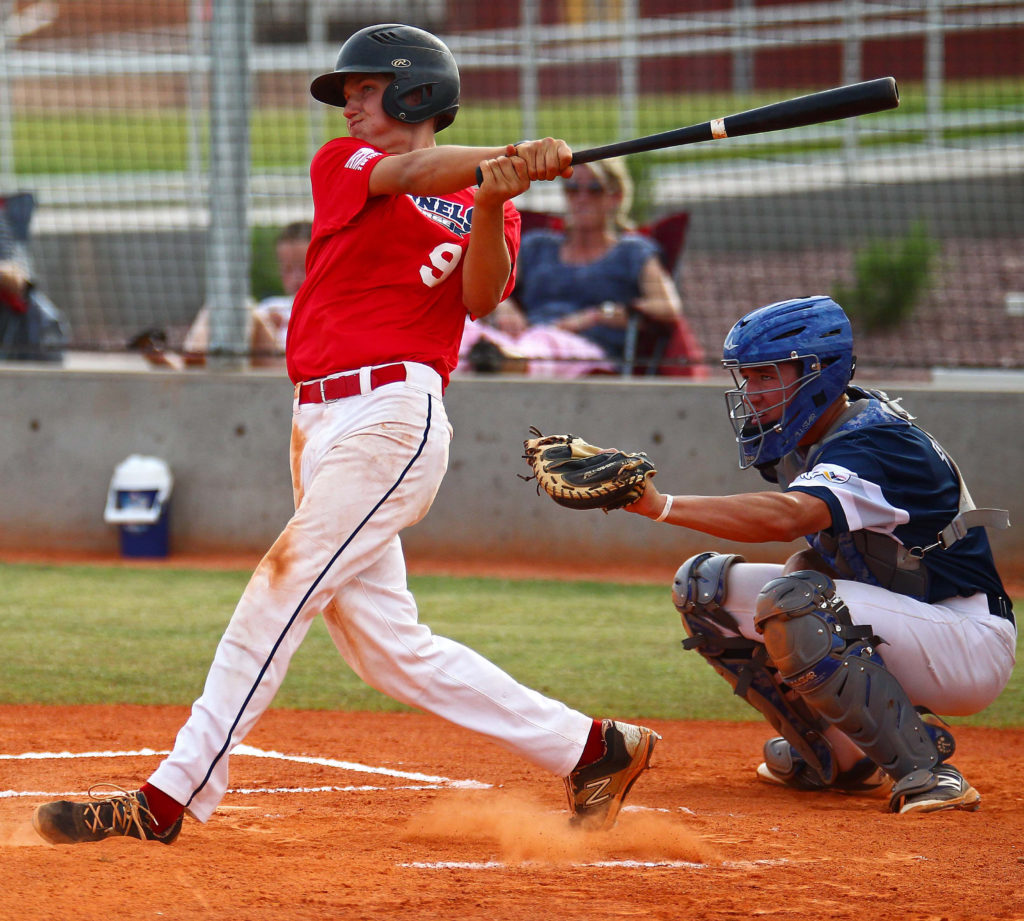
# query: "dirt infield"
[[401, 816]]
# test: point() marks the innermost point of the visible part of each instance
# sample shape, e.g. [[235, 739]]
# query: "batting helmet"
[[415, 59], [815, 333]]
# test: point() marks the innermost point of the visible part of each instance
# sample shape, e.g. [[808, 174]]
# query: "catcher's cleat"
[[121, 814], [783, 765], [597, 790], [949, 791]]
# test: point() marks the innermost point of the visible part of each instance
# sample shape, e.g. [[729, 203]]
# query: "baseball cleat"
[[121, 814], [951, 791], [783, 765], [596, 791]]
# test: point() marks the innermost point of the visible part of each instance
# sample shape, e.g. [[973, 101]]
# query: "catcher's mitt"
[[580, 475]]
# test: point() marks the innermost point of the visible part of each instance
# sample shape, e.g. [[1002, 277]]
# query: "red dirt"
[[701, 837]]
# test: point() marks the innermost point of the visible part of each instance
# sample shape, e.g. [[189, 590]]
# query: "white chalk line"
[[423, 781], [596, 864]]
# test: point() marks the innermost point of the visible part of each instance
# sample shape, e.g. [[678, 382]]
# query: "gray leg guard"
[[835, 668], [697, 593]]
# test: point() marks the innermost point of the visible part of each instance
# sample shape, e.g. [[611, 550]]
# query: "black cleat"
[[122, 814], [950, 791]]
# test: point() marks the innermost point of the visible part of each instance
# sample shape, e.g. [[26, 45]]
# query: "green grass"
[[95, 634], [96, 141]]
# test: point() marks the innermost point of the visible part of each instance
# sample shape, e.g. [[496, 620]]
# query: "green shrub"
[[264, 275], [890, 278]]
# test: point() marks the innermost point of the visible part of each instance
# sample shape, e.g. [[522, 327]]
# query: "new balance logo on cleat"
[[596, 792], [598, 787]]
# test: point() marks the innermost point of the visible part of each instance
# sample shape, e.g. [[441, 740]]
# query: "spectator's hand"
[[606, 314], [13, 278], [509, 318]]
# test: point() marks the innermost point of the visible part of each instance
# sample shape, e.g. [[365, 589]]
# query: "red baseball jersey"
[[383, 274]]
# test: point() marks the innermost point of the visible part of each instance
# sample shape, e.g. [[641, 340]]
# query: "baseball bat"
[[812, 109]]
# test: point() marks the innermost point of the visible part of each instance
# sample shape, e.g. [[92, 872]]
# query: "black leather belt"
[[337, 387]]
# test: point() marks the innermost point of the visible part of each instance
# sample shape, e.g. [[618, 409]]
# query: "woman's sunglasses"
[[571, 186]]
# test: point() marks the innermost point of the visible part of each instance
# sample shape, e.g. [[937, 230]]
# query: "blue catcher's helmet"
[[815, 333], [415, 59]]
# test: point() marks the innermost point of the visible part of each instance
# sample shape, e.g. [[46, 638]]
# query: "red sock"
[[166, 811], [595, 747]]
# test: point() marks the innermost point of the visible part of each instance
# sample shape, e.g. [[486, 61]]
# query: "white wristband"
[[666, 509]]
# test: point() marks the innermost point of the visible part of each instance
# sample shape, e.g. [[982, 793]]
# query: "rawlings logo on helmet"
[[401, 62]]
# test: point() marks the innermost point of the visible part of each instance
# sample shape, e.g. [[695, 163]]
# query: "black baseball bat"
[[812, 109]]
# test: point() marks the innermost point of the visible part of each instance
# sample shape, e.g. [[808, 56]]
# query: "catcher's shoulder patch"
[[577, 474]]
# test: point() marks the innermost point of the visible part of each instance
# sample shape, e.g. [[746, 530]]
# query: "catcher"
[[893, 613]]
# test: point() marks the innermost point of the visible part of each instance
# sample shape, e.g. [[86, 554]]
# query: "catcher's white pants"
[[363, 468], [952, 657]]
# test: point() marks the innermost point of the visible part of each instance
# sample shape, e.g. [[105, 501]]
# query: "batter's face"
[[365, 115]]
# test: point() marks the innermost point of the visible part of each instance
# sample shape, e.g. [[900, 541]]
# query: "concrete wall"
[[226, 439]]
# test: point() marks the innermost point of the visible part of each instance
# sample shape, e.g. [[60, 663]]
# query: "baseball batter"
[[403, 246], [894, 611]]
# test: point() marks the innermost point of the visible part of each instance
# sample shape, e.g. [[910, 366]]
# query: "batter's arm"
[[487, 264], [748, 517], [443, 170]]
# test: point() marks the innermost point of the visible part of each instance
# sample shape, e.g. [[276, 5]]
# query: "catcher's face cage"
[[424, 76], [766, 433], [812, 331]]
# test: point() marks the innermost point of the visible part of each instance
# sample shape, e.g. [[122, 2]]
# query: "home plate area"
[[402, 816], [474, 811]]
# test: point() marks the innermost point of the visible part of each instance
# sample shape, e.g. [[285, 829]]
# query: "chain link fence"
[[164, 144]]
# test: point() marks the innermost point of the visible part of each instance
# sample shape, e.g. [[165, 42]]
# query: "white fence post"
[[227, 254]]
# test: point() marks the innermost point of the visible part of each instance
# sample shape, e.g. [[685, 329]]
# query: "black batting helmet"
[[416, 59]]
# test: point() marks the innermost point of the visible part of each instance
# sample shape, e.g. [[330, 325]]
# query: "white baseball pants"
[[363, 468], [953, 657]]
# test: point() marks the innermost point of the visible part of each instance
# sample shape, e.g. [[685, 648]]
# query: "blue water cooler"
[[138, 502]]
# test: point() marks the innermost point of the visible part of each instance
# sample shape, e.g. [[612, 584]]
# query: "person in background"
[[577, 287], [268, 319], [31, 326], [290, 249]]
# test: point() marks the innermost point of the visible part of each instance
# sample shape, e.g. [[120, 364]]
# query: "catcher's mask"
[[815, 335], [414, 59]]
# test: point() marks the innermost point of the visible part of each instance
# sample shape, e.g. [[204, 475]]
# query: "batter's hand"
[[503, 178], [548, 158]]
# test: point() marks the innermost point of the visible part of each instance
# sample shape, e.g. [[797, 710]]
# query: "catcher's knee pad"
[[835, 667], [699, 588], [697, 592]]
